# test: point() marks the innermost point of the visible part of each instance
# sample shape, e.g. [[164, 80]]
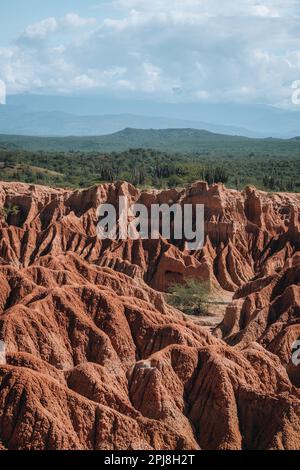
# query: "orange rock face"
[[96, 358]]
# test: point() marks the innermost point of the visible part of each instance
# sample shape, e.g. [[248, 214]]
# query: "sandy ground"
[[216, 312]]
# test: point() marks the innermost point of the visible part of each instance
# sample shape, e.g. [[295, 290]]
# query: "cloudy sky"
[[168, 50]]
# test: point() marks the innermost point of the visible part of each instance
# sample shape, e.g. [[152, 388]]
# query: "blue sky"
[[167, 50]]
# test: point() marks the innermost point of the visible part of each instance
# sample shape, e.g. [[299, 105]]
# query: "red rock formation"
[[96, 359]]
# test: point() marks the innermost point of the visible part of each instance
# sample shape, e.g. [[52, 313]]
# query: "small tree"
[[191, 297]]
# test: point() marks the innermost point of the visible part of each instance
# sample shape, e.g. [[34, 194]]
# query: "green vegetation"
[[150, 168], [12, 210], [161, 159], [192, 297]]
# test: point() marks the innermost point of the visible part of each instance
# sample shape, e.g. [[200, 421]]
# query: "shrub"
[[192, 297], [5, 212]]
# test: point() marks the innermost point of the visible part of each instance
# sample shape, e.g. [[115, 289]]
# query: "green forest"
[[269, 164]]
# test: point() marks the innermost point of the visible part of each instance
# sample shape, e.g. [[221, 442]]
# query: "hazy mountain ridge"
[[61, 124], [100, 115], [167, 140]]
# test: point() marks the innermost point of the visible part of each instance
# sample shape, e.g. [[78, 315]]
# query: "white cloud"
[[75, 21], [179, 49], [85, 82], [41, 29], [126, 84], [51, 25], [263, 10], [211, 8]]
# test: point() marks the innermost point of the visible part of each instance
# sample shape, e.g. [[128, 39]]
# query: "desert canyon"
[[97, 359]]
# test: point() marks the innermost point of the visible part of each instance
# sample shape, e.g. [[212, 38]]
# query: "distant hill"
[[167, 140], [60, 124], [45, 115]]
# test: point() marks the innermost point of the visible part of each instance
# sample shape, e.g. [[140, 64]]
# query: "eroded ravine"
[[96, 359]]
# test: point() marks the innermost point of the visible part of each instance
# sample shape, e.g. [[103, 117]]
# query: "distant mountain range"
[[167, 140], [89, 116], [58, 123]]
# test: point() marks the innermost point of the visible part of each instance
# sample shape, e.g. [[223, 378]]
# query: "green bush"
[[192, 297], [5, 212]]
